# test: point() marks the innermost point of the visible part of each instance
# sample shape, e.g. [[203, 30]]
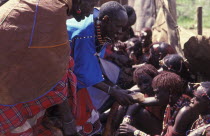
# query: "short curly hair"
[[145, 69], [169, 81]]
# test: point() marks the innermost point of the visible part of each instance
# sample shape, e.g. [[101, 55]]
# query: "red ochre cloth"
[[87, 118], [84, 107], [15, 116]]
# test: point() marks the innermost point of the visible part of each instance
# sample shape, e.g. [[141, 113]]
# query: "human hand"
[[122, 96], [126, 129], [137, 97]]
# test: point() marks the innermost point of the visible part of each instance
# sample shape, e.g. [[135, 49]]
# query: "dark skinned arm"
[[149, 101], [119, 94]]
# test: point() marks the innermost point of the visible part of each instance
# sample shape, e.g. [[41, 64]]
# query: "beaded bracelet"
[[139, 133], [143, 134], [127, 119]]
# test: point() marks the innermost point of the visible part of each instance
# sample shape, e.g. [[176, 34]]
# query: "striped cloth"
[[14, 117]]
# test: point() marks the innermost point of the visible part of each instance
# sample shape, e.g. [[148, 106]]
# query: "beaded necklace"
[[103, 41], [168, 119], [98, 33], [200, 122]]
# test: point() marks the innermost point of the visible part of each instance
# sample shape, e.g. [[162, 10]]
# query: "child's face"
[[145, 83]]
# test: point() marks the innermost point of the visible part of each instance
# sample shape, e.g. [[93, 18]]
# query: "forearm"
[[151, 101], [107, 88], [132, 109], [122, 96]]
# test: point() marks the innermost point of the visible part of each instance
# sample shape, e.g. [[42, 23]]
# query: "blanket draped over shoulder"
[[34, 48]]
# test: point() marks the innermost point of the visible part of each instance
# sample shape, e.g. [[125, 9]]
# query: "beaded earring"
[[106, 18], [79, 11]]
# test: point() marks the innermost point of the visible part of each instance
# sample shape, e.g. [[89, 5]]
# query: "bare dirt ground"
[[206, 31]]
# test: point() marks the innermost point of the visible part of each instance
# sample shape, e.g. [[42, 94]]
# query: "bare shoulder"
[[186, 110], [184, 119]]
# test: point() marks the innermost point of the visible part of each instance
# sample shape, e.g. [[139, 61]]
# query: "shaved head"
[[113, 17], [111, 9]]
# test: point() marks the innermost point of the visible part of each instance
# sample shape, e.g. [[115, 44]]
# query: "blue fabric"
[[87, 67]]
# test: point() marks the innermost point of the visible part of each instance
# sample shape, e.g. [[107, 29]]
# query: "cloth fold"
[[34, 53]]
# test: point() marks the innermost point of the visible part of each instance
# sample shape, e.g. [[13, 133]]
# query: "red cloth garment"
[[87, 118], [15, 116], [108, 52], [84, 107]]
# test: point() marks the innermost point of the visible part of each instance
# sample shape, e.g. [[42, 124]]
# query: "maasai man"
[[175, 63], [119, 54], [168, 89], [127, 31], [35, 64], [197, 113], [158, 51], [143, 76], [88, 38], [146, 41]]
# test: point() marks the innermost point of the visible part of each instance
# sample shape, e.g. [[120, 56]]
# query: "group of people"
[[61, 76]]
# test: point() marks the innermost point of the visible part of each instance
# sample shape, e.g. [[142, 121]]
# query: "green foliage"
[[186, 12], [186, 22]]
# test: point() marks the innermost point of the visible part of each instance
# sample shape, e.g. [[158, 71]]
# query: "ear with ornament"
[[105, 19], [79, 11]]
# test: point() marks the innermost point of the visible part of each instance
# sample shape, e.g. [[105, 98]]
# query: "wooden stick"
[[199, 20], [109, 128]]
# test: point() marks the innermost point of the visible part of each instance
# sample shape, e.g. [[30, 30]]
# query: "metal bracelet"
[[109, 90]]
